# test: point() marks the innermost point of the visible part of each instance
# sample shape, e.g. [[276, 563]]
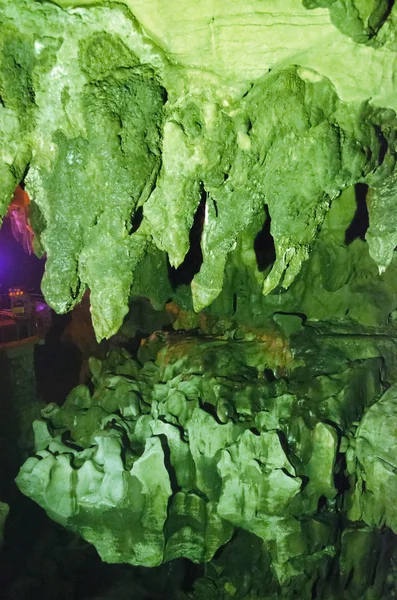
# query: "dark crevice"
[[360, 223], [200, 494], [287, 473], [305, 481], [76, 292], [22, 182], [215, 207], [374, 29], [121, 143], [314, 590], [334, 425], [183, 275], [67, 440], [322, 503], [15, 171], [234, 309], [220, 550], [265, 250], [288, 452], [211, 410], [136, 219], [255, 431], [269, 375], [168, 464], [248, 91], [383, 145], [341, 481]]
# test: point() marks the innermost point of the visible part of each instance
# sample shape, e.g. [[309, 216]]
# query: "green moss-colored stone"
[[123, 140]]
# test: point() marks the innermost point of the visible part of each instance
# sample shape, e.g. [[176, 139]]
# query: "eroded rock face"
[[371, 456], [174, 453], [123, 122]]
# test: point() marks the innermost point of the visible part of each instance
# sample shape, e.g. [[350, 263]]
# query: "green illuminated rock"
[[359, 19], [232, 165], [122, 132], [145, 470], [371, 461]]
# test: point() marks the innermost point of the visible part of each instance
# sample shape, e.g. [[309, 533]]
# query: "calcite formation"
[[177, 451], [124, 121], [233, 165]]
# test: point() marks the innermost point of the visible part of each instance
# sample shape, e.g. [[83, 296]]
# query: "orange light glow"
[[18, 211]]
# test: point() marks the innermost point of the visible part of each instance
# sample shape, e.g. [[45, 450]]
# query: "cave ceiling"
[[128, 121]]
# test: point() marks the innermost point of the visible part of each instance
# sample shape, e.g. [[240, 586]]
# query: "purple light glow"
[[40, 306], [17, 269]]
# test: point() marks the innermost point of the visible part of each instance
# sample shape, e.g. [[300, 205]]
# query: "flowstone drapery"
[[175, 452]]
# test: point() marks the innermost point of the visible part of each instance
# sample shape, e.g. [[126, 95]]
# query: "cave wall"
[[224, 174]]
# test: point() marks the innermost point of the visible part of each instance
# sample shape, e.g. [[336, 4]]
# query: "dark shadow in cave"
[[9, 430], [41, 559], [360, 223], [269, 375], [265, 250], [183, 275], [57, 363], [136, 219]]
